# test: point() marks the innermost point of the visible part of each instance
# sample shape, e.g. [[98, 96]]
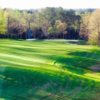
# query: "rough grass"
[[47, 70]]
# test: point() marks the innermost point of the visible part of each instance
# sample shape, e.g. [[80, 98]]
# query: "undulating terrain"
[[48, 70]]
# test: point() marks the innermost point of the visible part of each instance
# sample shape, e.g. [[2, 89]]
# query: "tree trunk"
[[8, 27], [60, 36], [48, 36], [63, 36], [26, 35], [29, 30], [57, 36], [99, 39], [34, 34], [20, 36], [8, 35]]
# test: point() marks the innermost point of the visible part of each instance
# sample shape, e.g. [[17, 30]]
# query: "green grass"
[[80, 42], [48, 70]]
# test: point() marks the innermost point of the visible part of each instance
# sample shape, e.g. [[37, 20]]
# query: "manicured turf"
[[48, 70]]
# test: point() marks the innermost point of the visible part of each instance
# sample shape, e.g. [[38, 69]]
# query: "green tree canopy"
[[52, 30], [3, 22]]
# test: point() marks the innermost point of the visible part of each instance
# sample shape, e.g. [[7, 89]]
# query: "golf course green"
[[48, 70]]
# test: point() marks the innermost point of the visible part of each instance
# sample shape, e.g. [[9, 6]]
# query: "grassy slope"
[[44, 70]]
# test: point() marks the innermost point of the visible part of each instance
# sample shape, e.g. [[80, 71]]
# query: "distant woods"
[[50, 23]]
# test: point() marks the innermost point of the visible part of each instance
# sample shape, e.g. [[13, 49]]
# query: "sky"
[[34, 4]]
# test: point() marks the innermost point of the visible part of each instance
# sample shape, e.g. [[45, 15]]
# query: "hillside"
[[48, 70]]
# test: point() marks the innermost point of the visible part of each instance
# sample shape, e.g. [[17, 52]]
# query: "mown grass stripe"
[[2, 69]]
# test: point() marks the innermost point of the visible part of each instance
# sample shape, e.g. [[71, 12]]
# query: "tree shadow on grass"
[[27, 84], [91, 55], [75, 64], [17, 39], [21, 83]]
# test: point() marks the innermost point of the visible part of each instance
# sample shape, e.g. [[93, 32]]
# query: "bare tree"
[[29, 18]]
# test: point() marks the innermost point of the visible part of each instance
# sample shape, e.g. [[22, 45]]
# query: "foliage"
[[45, 25], [3, 22], [21, 22], [95, 23], [93, 38], [57, 22], [90, 27], [27, 22], [62, 27], [52, 30], [84, 27]]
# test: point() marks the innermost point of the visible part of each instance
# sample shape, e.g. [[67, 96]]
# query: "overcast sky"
[[33, 4]]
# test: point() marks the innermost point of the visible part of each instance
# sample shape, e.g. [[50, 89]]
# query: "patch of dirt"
[[95, 68], [93, 73], [77, 89], [75, 92], [61, 91]]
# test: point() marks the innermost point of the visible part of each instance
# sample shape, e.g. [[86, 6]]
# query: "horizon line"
[[46, 7]]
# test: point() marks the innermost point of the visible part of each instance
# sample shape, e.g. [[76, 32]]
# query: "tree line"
[[50, 23], [90, 27]]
